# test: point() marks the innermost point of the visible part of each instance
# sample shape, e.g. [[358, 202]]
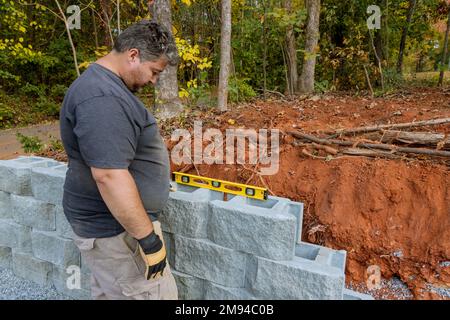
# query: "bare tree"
[[69, 35], [412, 6], [225, 49], [306, 81], [167, 101], [445, 52]]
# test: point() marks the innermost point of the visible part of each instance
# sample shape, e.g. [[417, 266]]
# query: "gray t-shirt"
[[104, 125]]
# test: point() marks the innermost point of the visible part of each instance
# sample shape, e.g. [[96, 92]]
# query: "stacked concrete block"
[[31, 268], [209, 261], [354, 295], [34, 213], [5, 257], [56, 250], [170, 247], [63, 228], [14, 235], [5, 205], [15, 174], [189, 287], [187, 211], [47, 183], [261, 228], [299, 278], [215, 291]]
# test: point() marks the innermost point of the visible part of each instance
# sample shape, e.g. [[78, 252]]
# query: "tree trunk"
[[291, 54], [95, 29], [412, 6], [306, 81], [118, 17], [445, 53], [225, 48], [107, 13], [264, 32], [167, 102]]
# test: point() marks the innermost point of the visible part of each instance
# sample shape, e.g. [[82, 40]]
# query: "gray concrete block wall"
[[35, 237], [237, 249]]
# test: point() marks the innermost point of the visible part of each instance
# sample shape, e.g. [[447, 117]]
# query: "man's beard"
[[132, 85]]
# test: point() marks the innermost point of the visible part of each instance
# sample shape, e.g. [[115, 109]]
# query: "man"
[[118, 174]]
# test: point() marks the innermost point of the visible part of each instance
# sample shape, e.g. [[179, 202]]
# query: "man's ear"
[[133, 54]]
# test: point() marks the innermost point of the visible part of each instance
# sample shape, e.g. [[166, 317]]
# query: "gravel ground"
[[15, 288], [393, 289]]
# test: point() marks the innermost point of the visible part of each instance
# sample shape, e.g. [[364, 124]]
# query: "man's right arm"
[[119, 192]]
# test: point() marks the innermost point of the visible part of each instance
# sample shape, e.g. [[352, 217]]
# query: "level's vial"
[[185, 179], [250, 191], [215, 184]]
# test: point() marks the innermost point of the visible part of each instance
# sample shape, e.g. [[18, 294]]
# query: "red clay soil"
[[390, 213]]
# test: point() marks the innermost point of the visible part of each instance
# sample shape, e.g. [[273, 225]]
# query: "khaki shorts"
[[117, 269]]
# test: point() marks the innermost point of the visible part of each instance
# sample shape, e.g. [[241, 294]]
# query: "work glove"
[[154, 254]]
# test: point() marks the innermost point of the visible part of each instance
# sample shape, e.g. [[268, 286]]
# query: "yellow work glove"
[[154, 254]]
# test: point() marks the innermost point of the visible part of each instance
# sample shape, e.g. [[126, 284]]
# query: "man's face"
[[138, 74]]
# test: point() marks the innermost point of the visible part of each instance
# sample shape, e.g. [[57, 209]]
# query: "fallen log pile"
[[378, 141]]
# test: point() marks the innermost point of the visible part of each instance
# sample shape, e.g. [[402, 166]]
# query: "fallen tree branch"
[[388, 126], [327, 149], [370, 153], [439, 140], [386, 147], [307, 153]]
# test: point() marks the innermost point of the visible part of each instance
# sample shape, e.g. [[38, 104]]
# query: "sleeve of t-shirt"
[[106, 132]]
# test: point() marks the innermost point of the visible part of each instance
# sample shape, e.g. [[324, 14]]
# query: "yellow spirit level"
[[220, 185]]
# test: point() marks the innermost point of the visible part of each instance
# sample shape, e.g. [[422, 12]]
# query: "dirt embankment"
[[394, 214]]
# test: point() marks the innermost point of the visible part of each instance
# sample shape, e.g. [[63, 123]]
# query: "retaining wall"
[[236, 249]]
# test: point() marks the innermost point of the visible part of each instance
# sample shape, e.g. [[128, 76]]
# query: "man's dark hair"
[[151, 39]]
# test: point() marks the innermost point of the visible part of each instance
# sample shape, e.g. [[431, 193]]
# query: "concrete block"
[[262, 228], [296, 209], [214, 291], [5, 258], [31, 268], [297, 279], [33, 213], [206, 260], [354, 295], [47, 184], [5, 205], [59, 251], [189, 287], [187, 211], [170, 247], [322, 255], [63, 228], [72, 282], [15, 174], [15, 236]]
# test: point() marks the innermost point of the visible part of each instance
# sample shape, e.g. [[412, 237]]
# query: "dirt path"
[[10, 147]]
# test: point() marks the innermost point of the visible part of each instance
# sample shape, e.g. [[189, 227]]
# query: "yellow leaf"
[[20, 39], [22, 29], [231, 121]]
